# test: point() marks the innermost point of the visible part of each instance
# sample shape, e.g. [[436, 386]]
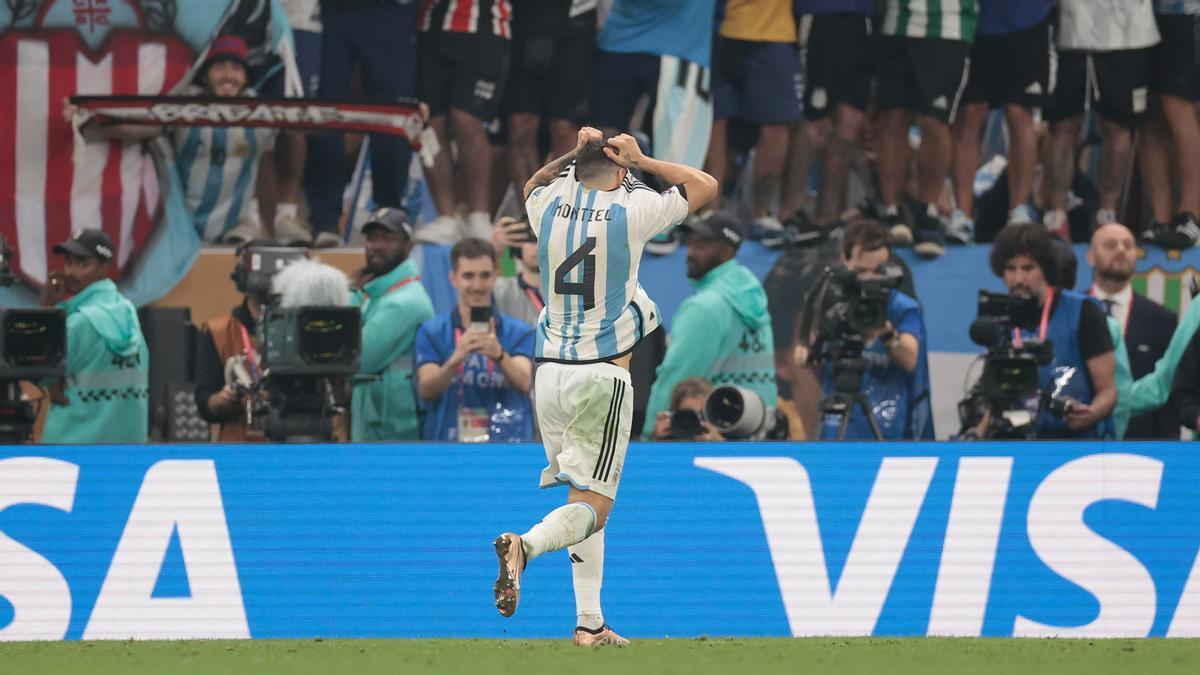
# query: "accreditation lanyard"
[[532, 293], [251, 357], [462, 367], [1018, 342]]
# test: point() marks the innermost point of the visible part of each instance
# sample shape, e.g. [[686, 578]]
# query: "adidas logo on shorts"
[[941, 103], [1034, 89]]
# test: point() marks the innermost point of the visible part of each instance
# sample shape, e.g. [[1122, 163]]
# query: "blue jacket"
[[1063, 332]]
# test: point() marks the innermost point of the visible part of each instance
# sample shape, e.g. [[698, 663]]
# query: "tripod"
[[847, 383]]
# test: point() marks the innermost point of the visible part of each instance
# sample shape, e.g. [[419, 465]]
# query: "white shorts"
[[585, 412]]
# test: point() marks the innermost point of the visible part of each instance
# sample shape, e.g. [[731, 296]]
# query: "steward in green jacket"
[[105, 397], [723, 332], [393, 303]]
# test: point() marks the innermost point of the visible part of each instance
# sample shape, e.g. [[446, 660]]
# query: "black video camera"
[[258, 265], [33, 346], [311, 341]]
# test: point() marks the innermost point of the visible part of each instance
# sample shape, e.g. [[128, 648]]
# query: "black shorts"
[[1175, 62], [466, 72], [1011, 68], [839, 61], [924, 75], [621, 79], [1114, 84], [551, 76]]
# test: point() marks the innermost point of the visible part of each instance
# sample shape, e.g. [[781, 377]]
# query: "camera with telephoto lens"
[[740, 413], [1010, 386]]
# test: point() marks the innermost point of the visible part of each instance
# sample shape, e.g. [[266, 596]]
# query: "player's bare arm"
[[548, 173], [699, 186]]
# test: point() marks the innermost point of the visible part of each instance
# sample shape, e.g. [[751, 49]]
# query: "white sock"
[[285, 209], [587, 571], [561, 528]]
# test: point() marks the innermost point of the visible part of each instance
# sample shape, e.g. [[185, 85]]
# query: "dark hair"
[[591, 164], [1066, 264], [471, 248], [1031, 239], [687, 388], [865, 233]]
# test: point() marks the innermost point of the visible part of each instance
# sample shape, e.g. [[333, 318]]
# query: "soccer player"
[[592, 219]]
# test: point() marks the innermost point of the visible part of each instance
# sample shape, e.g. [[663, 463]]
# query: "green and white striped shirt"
[[942, 19]]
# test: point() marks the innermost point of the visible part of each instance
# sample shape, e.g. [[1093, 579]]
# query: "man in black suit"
[[1146, 325]]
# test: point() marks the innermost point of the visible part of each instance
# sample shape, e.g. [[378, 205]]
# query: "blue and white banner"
[[992, 539]]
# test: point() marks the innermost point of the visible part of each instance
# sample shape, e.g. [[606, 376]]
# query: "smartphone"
[[481, 319]]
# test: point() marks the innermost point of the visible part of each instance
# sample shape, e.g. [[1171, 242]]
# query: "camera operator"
[[105, 397], [723, 332], [895, 379], [1023, 255], [684, 421], [226, 344], [393, 304], [475, 365]]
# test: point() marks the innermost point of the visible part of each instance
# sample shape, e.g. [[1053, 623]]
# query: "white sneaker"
[[289, 232], [961, 230], [241, 233], [1022, 213], [327, 240], [440, 230], [479, 225], [768, 231]]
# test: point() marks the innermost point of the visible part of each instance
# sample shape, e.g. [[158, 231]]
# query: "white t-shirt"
[[1106, 25], [590, 247]]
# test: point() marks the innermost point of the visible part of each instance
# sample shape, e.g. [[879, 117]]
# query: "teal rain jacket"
[[108, 372]]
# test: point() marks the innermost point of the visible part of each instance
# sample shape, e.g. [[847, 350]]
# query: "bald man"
[[1146, 325]]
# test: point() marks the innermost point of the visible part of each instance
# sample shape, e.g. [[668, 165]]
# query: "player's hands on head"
[[624, 150], [587, 135]]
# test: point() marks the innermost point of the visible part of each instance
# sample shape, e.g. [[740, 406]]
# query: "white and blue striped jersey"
[[590, 247], [218, 168]]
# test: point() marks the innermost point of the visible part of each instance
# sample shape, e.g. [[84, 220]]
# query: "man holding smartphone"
[[475, 365]]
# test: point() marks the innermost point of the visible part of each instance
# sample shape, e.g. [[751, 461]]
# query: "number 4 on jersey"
[[585, 288]]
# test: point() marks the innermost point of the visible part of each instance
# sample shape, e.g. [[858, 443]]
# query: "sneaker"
[[507, 590], [1182, 233], [1056, 221], [604, 635], [479, 225], [1152, 231], [241, 233], [899, 233], [289, 232], [802, 231], [768, 231], [1021, 214], [663, 243], [440, 230], [961, 230], [1105, 216], [929, 242], [327, 240]]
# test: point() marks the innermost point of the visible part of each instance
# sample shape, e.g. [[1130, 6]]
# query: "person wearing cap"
[[722, 333], [105, 395], [393, 303]]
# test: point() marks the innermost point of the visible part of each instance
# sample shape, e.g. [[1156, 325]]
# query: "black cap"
[[390, 219], [717, 226], [87, 244]]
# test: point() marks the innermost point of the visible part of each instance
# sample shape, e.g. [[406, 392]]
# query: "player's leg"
[[475, 98], [840, 56], [1026, 85], [984, 78], [432, 84], [570, 104], [896, 84], [1123, 79], [772, 98], [725, 104], [1068, 101]]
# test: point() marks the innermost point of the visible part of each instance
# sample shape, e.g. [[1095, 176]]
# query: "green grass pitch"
[[727, 656]]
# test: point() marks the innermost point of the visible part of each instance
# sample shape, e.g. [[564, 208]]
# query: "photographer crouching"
[[865, 341], [1066, 335]]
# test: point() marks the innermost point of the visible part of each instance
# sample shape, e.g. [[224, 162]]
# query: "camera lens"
[[685, 424]]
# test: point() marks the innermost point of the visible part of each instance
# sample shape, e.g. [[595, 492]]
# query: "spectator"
[[688, 396], [1170, 139], [1104, 64], [896, 378], [1023, 256], [1010, 69], [475, 380], [378, 36], [923, 56], [519, 296], [660, 49], [1146, 325], [464, 60], [839, 58], [554, 46], [723, 332], [393, 303], [217, 166], [105, 397], [226, 339], [756, 78]]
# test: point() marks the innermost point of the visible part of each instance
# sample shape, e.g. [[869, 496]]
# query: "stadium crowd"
[[853, 121]]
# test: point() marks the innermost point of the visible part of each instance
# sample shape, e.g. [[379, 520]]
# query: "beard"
[[381, 266], [1114, 273]]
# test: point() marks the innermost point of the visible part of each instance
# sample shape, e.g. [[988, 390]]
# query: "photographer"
[[393, 304], [1023, 256], [105, 397], [890, 353], [474, 365], [722, 333], [684, 421]]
